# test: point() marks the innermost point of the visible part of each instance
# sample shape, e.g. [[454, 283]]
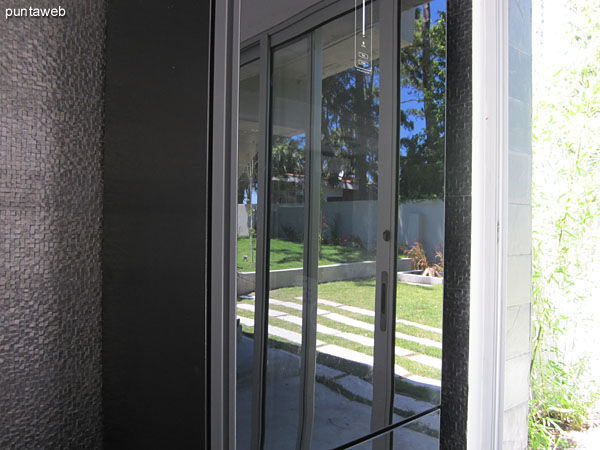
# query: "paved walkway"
[[341, 351]]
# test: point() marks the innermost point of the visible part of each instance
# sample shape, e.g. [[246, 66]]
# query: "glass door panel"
[[289, 143], [420, 434], [346, 339], [420, 264], [348, 108], [248, 137]]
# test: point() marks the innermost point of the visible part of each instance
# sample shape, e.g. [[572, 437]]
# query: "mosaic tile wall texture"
[[457, 246], [51, 84]]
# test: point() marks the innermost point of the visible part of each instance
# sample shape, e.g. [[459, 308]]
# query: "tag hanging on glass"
[[363, 35]]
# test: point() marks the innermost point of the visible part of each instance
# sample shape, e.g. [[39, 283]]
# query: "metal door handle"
[[384, 283]]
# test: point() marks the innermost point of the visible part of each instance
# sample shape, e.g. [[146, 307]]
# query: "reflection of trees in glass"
[[423, 72], [287, 156], [350, 119], [287, 168], [247, 185], [248, 181]]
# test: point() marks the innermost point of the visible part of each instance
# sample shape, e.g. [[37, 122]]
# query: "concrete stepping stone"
[[291, 336], [328, 303], [296, 320], [401, 371], [427, 360], [357, 386], [246, 321], [296, 306], [352, 355], [245, 307], [342, 352], [363, 340], [418, 340], [323, 302], [418, 325], [404, 351], [364, 389], [356, 310], [328, 372], [351, 322], [406, 403], [425, 380], [368, 326], [368, 312], [326, 330], [345, 353], [272, 312], [320, 328]]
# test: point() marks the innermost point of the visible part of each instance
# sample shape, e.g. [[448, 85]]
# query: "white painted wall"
[[500, 316], [422, 221]]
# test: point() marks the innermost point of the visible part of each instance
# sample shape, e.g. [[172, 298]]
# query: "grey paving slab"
[[419, 340], [421, 326], [357, 310], [345, 353]]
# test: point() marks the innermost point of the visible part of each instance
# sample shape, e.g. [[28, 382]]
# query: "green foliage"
[[561, 393], [287, 156], [423, 72], [566, 224]]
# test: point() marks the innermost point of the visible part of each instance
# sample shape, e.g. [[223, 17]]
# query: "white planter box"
[[414, 276]]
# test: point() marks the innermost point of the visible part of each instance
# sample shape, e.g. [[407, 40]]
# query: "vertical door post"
[[387, 219], [312, 224], [261, 298]]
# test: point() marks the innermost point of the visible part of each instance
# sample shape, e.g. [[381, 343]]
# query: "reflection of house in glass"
[[323, 206], [192, 268]]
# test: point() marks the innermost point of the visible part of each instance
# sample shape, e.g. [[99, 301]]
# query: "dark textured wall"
[[50, 210], [155, 223], [457, 246]]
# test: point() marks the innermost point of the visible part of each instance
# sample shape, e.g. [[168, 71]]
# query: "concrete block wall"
[[421, 221], [518, 307]]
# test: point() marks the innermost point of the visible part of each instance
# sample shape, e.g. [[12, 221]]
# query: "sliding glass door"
[[336, 341]]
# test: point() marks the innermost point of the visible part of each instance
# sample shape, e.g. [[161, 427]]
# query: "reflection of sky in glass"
[[411, 98]]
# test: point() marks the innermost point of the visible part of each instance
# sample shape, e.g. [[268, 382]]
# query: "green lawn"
[[289, 255], [419, 304]]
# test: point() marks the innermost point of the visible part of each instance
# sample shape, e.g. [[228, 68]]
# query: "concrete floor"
[[342, 412]]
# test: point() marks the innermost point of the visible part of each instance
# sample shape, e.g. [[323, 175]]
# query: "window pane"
[[290, 115], [246, 243], [420, 209], [422, 434], [349, 128]]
